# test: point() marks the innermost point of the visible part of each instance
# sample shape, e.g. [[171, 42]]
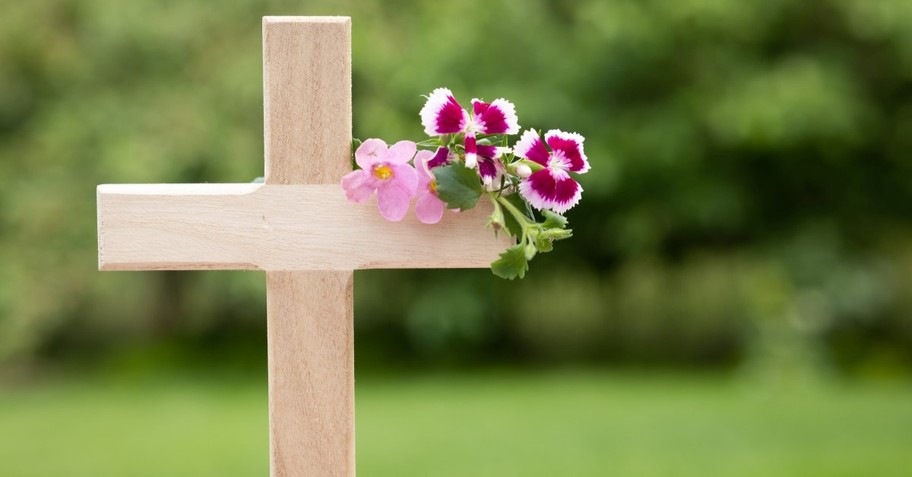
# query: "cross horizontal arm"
[[276, 227]]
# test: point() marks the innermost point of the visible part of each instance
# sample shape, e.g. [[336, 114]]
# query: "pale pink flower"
[[428, 207], [385, 170]]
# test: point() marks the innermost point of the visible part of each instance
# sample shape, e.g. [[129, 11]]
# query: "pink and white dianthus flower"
[[489, 166], [440, 158], [384, 169], [552, 187], [442, 114], [428, 207]]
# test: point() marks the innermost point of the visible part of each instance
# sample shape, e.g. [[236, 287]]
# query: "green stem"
[[520, 217]]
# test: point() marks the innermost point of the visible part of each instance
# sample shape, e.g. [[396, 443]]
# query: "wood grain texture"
[[311, 374], [307, 122], [269, 227], [307, 99]]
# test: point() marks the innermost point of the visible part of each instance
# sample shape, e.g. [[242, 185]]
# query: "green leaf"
[[356, 143], [553, 220], [492, 140], [458, 186], [434, 141], [512, 263]]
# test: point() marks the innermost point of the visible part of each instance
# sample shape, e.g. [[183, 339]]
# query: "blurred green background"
[[736, 300]]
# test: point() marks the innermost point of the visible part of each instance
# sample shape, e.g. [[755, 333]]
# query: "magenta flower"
[[442, 114], [440, 158], [428, 207], [489, 166], [387, 171], [552, 187]]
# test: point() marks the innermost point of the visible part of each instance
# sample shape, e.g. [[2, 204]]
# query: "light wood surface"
[[307, 123], [311, 374], [307, 99], [273, 227]]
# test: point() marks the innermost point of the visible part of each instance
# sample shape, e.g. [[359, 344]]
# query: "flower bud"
[[523, 170], [496, 221]]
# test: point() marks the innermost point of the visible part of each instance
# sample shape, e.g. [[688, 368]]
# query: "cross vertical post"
[[308, 134]]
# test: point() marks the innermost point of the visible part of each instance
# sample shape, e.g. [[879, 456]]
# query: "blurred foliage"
[[748, 201]]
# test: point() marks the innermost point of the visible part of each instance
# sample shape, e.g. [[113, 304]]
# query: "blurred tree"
[[750, 166]]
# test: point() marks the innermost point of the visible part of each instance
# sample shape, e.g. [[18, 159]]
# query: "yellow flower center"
[[383, 172], [433, 186]]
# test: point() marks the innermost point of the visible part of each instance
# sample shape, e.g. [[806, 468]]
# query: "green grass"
[[490, 424]]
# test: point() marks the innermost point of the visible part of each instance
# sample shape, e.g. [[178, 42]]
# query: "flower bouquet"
[[468, 156]]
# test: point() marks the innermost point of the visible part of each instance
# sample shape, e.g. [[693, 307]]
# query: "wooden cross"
[[298, 228]]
